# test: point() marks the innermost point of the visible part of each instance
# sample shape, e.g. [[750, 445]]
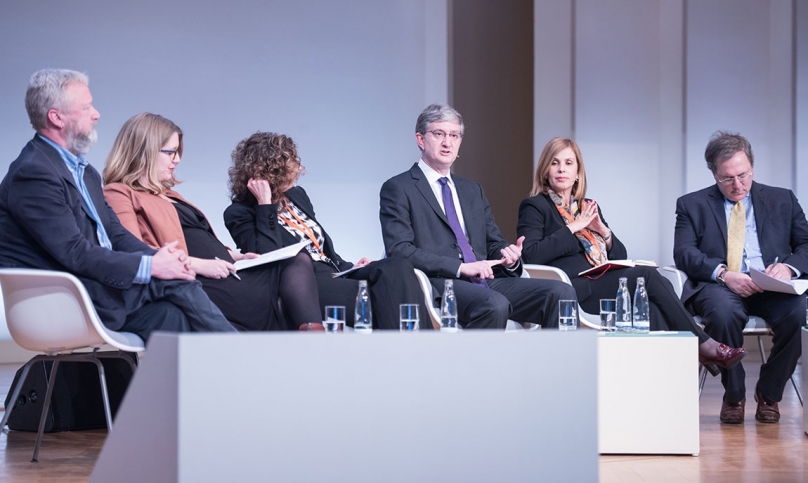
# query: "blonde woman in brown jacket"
[[139, 177]]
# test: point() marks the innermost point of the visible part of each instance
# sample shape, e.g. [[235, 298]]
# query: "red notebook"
[[595, 272]]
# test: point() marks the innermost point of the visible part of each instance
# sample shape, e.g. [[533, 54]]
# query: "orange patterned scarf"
[[593, 243]]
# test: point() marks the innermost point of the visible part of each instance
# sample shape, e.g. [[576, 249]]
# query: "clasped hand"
[[589, 217], [171, 263]]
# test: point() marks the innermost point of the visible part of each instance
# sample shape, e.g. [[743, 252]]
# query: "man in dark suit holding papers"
[[443, 224], [723, 232]]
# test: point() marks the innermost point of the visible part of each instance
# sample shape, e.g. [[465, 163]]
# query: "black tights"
[[298, 291]]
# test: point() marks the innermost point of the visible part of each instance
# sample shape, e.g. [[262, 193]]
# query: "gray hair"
[[438, 113], [723, 145], [47, 90]]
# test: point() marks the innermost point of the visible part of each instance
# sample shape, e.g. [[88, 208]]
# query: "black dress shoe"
[[725, 356], [767, 411], [732, 413]]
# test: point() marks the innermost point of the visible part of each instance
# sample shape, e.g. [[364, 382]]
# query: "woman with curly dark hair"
[[269, 212], [139, 177]]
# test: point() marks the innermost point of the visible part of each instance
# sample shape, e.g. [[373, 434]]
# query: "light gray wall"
[[651, 80], [345, 79]]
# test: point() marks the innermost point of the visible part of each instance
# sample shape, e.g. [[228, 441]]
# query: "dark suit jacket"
[[414, 225], [548, 241], [700, 242], [43, 224], [255, 228]]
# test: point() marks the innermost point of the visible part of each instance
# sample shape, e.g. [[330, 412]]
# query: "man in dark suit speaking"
[[444, 226], [723, 232], [53, 216]]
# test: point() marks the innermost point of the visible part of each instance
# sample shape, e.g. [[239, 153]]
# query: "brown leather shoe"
[[767, 411], [725, 356], [733, 413]]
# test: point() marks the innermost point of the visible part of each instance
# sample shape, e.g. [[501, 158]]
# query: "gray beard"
[[80, 142]]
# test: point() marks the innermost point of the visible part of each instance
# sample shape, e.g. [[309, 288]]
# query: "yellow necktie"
[[735, 237]]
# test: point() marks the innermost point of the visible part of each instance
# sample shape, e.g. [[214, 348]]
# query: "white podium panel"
[[385, 407], [648, 393]]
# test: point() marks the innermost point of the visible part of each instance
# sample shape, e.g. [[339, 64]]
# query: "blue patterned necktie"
[[454, 222]]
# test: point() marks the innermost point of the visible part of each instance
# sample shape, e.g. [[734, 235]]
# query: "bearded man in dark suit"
[[443, 224], [722, 233], [53, 216]]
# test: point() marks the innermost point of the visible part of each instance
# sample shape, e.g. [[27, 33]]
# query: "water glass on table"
[[408, 316], [567, 315], [608, 314], [334, 318]]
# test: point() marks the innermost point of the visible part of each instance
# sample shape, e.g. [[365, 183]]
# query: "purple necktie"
[[454, 222]]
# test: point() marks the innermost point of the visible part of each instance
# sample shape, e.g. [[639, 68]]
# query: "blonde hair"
[[550, 151], [136, 150]]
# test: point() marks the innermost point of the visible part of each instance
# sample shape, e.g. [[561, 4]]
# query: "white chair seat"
[[51, 312]]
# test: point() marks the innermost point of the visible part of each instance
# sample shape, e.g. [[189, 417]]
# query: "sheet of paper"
[[796, 287], [273, 256], [339, 274]]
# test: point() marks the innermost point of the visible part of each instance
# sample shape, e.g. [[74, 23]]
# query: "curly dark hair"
[[264, 155]]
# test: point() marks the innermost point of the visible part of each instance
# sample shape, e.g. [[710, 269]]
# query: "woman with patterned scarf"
[[564, 229]]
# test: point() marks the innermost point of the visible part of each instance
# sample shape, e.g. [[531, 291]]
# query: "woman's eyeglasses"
[[170, 152]]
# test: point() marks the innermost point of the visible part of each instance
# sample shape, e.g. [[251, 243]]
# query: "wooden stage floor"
[[750, 452]]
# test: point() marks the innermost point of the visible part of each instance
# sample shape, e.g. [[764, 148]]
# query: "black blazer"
[[414, 225], [44, 225], [548, 241], [700, 240], [255, 228]]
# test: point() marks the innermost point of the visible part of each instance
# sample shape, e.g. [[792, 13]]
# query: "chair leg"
[[702, 379], [102, 378], [797, 389], [43, 417], [762, 351], [16, 392]]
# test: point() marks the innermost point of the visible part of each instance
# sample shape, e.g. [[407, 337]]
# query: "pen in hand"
[[776, 259], [232, 272]]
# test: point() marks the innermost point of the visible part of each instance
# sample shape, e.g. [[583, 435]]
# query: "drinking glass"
[[567, 315], [408, 316], [334, 318], [608, 314]]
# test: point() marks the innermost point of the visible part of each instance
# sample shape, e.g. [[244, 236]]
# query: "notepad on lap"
[[771, 284], [273, 256], [615, 264]]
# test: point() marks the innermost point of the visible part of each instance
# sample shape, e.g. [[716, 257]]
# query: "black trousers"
[[171, 306], [724, 314], [520, 299], [667, 310], [391, 282]]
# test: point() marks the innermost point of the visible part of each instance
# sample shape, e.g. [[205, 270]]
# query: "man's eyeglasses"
[[441, 135], [728, 181], [170, 152]]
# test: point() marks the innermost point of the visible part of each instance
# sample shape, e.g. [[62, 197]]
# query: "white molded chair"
[[755, 326], [51, 312], [547, 272], [434, 312]]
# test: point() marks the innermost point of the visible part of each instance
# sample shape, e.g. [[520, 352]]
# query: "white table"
[[648, 396], [381, 407]]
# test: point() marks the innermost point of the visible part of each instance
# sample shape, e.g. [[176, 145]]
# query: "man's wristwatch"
[[720, 277]]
